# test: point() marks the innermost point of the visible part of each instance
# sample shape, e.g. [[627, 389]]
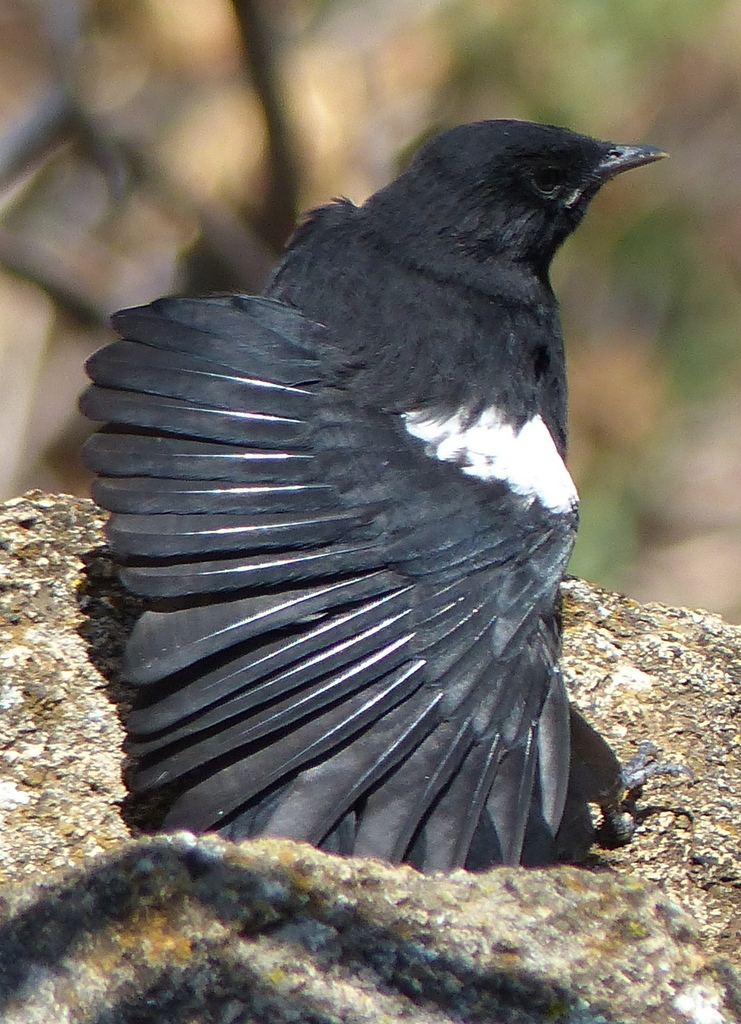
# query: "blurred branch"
[[229, 252], [244, 255], [278, 217], [33, 136], [53, 121], [226, 242], [62, 22], [241, 257], [31, 264]]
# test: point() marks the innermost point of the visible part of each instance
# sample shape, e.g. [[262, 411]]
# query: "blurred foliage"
[[167, 145]]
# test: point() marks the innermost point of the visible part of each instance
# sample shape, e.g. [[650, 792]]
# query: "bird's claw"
[[619, 820], [644, 766]]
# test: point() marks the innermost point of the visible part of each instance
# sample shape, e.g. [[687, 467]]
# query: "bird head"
[[497, 189]]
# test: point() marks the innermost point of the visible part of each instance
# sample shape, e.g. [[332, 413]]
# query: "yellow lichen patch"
[[154, 935], [636, 929], [276, 975]]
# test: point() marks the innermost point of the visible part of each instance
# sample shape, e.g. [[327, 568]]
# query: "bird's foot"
[[619, 820], [644, 766]]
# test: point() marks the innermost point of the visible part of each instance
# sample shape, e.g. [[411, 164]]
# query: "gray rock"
[[176, 929], [60, 735], [673, 676], [173, 929]]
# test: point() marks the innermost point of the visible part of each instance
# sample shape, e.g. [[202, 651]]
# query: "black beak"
[[623, 158]]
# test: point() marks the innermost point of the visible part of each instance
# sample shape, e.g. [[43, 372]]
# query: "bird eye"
[[547, 180]]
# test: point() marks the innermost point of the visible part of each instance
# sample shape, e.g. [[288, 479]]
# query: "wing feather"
[[284, 664], [249, 571], [258, 335], [180, 375], [170, 458], [208, 423], [395, 810], [223, 792], [164, 642], [317, 798], [275, 716], [158, 495], [166, 535]]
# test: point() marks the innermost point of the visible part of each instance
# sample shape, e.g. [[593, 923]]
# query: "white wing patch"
[[490, 449]]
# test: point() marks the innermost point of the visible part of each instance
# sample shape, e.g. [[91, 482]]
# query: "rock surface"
[[60, 734], [673, 676], [165, 929], [173, 929]]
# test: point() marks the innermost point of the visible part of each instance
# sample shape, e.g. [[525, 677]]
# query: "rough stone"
[[673, 676], [60, 734], [176, 929]]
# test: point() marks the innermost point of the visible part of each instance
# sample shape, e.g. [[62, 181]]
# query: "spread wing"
[[349, 642]]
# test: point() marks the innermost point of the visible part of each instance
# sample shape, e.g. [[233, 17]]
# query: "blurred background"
[[154, 146]]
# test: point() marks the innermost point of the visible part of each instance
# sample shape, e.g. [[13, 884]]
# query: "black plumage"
[[347, 502]]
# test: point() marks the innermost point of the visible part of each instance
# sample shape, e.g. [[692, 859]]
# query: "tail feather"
[[554, 747], [508, 802], [443, 840]]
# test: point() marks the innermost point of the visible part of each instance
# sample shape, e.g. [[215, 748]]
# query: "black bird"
[[348, 504]]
